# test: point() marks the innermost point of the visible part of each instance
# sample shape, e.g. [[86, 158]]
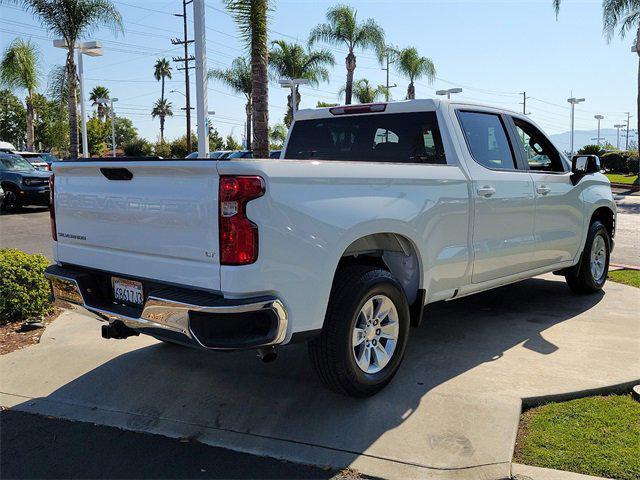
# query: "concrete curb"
[[527, 472], [625, 387]]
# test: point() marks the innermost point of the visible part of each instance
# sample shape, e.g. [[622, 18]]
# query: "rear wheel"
[[364, 334], [590, 274], [11, 201]]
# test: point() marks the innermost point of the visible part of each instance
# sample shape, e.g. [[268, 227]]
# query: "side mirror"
[[585, 164]]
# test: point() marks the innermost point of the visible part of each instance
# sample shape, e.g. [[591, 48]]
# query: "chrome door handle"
[[543, 189], [486, 191]]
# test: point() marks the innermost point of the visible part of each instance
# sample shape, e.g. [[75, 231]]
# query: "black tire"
[[11, 202], [332, 352], [580, 277]]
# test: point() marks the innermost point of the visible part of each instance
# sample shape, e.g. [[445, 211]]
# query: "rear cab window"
[[390, 137], [487, 139]]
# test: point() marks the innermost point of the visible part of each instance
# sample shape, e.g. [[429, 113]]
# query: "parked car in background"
[[35, 159], [7, 147], [212, 155], [1, 197], [240, 154], [375, 211], [22, 183], [49, 158]]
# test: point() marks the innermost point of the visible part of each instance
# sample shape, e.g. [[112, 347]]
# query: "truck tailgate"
[[160, 224]]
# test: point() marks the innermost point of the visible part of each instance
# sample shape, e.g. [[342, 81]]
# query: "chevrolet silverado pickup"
[[372, 212]]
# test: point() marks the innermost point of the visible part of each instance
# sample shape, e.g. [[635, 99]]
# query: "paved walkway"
[[452, 411]]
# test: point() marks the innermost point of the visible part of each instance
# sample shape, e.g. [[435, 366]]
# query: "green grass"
[[595, 436], [628, 277], [620, 178]]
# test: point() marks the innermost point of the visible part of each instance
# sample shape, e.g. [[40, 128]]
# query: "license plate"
[[127, 291]]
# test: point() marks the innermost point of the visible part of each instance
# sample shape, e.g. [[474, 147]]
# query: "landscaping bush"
[[591, 150], [633, 164], [138, 147], [162, 149], [616, 161], [24, 291]]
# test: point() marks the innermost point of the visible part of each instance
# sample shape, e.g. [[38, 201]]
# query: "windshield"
[[15, 164], [395, 138]]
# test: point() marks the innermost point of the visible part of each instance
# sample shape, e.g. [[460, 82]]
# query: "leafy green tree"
[[137, 147], [98, 135], [238, 78], [162, 149], [162, 109], [125, 131], [291, 60], [320, 104], [19, 70], [591, 150], [99, 92], [412, 65], [278, 135], [251, 17], [231, 143], [342, 28], [179, 146], [72, 20], [622, 16], [364, 92], [12, 118], [216, 142], [51, 126]]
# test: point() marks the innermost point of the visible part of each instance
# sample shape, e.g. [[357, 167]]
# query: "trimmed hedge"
[[24, 291], [620, 162]]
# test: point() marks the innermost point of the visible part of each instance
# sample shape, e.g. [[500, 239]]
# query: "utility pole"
[[618, 127], [186, 59], [524, 103], [202, 101], [388, 61]]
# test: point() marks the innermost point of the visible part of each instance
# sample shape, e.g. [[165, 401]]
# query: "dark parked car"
[[22, 184]]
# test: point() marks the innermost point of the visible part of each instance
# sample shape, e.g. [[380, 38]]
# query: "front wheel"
[[365, 332], [11, 202], [590, 274]]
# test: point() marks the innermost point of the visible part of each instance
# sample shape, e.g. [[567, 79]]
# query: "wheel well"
[[389, 251], [605, 215]]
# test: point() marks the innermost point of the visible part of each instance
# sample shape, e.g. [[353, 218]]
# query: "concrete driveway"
[[451, 412]]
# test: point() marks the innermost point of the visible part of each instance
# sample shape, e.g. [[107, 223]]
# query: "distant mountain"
[[586, 137]]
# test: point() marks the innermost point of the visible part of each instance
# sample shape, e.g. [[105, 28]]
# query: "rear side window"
[[487, 140], [394, 138]]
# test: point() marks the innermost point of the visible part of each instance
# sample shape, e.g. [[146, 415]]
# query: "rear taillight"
[[52, 209], [238, 234]]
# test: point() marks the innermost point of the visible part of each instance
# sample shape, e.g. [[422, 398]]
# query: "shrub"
[[633, 164], [162, 149], [138, 147], [24, 291], [616, 161], [179, 146], [591, 150]]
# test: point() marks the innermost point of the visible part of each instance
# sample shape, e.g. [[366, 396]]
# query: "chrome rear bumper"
[[174, 314]]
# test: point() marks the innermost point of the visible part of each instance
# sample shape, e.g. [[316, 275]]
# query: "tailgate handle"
[[117, 173]]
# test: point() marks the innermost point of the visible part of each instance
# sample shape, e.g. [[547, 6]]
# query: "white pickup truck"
[[372, 212]]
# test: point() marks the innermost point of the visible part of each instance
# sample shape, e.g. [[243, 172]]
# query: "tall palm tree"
[[239, 79], [99, 92], [342, 28], [251, 17], [623, 16], [162, 109], [161, 71], [364, 92], [291, 60], [412, 65], [19, 70], [71, 20]]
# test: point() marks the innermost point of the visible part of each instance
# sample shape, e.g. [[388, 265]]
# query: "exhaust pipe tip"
[[268, 354], [117, 330]]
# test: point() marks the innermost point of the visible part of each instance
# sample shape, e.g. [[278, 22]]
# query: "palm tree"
[[71, 20], [239, 79], [278, 134], [364, 92], [19, 70], [623, 16], [251, 16], [342, 28], [412, 65], [290, 60], [162, 70], [97, 93], [162, 109]]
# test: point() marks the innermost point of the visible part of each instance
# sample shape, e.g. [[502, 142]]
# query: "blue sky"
[[492, 49]]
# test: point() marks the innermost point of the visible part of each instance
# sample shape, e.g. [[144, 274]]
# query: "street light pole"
[[112, 114], [598, 118], [293, 83], [202, 100], [628, 123], [618, 127], [449, 92], [573, 101]]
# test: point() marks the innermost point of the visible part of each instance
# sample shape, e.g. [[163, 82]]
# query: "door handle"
[[486, 191], [543, 189]]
